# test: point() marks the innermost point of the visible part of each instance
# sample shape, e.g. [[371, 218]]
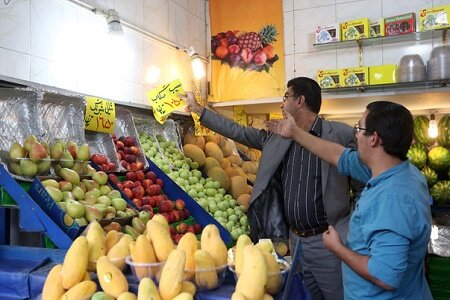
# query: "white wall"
[[58, 43]]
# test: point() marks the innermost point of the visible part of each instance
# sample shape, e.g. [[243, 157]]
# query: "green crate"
[[439, 277], [7, 200]]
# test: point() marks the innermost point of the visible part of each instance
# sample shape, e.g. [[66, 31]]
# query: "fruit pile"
[[432, 157], [246, 50], [172, 268], [128, 152], [209, 193], [87, 200], [103, 162]]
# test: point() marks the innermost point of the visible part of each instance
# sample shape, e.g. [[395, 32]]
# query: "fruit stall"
[[126, 203]]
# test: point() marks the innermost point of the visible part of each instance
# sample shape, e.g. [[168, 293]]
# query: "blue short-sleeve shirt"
[[391, 224]]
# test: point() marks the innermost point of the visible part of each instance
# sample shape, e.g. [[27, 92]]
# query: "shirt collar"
[[388, 173], [316, 127]]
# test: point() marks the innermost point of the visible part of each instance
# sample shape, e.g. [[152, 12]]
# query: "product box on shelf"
[[382, 74], [434, 18], [355, 29], [328, 33], [328, 78], [401, 24], [377, 28], [355, 76]]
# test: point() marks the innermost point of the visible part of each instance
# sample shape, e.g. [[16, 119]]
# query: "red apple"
[[139, 165], [137, 202], [166, 206], [111, 166], [140, 175], [129, 184], [146, 200], [176, 215], [159, 182], [179, 204], [135, 150], [129, 141], [176, 238], [172, 230], [120, 145], [147, 207], [131, 176], [146, 183], [120, 185], [182, 228], [113, 178], [151, 175], [137, 183], [99, 159], [191, 229], [128, 193], [197, 228]]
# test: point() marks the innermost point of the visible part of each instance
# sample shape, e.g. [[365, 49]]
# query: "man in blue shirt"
[[389, 230]]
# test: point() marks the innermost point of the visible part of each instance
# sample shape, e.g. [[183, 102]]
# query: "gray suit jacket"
[[335, 187]]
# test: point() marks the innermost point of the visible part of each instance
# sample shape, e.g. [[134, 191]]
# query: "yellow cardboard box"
[[328, 79], [382, 74], [434, 18], [355, 29], [354, 76], [377, 28]]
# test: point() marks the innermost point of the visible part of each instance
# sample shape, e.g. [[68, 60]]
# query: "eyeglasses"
[[357, 128], [286, 96]]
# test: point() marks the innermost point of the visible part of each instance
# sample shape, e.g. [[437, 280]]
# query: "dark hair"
[[310, 89], [393, 123]]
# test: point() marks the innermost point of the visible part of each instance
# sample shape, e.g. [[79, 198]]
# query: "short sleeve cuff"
[[384, 273], [343, 165]]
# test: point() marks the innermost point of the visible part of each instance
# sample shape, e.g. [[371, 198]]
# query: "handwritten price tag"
[[240, 116], [100, 115], [165, 100]]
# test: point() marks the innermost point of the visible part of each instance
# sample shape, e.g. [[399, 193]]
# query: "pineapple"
[[249, 40], [268, 34]]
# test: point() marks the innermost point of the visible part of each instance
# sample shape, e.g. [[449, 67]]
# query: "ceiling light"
[[113, 21], [432, 127], [198, 68]]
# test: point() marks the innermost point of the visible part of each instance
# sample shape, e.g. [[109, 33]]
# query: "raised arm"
[[325, 150]]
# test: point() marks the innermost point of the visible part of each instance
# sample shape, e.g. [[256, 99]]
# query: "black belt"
[[309, 232]]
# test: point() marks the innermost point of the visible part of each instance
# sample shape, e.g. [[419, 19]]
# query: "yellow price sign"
[[198, 128], [165, 100], [100, 115], [239, 115]]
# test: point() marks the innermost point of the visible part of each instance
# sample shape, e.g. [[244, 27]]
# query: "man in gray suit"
[[296, 194]]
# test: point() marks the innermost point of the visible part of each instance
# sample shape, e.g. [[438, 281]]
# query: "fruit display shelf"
[[201, 216], [31, 216]]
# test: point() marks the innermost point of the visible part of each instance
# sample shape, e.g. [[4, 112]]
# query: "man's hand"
[[283, 127], [191, 103], [331, 239]]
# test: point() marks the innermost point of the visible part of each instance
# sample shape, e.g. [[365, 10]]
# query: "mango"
[[127, 296], [253, 277], [205, 267], [111, 278], [142, 251], [120, 251], [183, 296], [102, 296], [96, 241], [171, 281], [188, 243], [82, 290], [112, 238], [274, 277], [75, 263], [148, 290], [160, 239], [53, 288], [214, 245], [243, 240]]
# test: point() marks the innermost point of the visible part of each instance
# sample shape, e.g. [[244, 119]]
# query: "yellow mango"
[[111, 278], [161, 220], [82, 290], [127, 296], [75, 263], [112, 238], [171, 281], [237, 296], [188, 287], [142, 251], [243, 240], [188, 243], [96, 241], [53, 288], [147, 290], [267, 297], [160, 239], [183, 296], [120, 251], [253, 277], [205, 270], [274, 277], [213, 243]]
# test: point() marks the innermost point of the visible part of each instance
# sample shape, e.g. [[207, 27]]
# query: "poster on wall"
[[247, 50]]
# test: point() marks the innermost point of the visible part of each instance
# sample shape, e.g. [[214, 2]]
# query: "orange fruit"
[[221, 52], [269, 51]]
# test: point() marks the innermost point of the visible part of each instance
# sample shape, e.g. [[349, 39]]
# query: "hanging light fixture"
[[198, 68], [432, 127], [113, 21]]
